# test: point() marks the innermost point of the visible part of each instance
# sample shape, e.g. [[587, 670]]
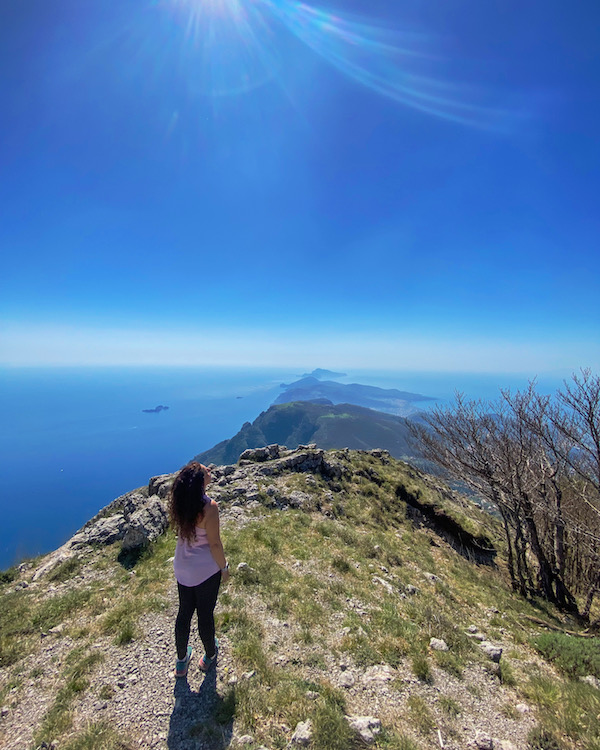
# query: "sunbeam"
[[240, 43]]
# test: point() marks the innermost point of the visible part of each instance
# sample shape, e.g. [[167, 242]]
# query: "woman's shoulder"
[[210, 505]]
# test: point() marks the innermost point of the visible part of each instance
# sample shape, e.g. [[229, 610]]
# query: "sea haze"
[[72, 440]]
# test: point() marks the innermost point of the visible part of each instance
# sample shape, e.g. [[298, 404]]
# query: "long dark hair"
[[186, 506]]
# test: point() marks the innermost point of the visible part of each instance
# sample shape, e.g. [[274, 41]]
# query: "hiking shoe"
[[181, 666], [206, 662]]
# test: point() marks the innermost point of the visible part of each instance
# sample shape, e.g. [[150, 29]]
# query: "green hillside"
[[327, 425], [357, 613]]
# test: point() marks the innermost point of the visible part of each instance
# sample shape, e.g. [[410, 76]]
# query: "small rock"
[[366, 726], [302, 733], [483, 741], [411, 590], [504, 745], [346, 680], [249, 675], [4, 711], [437, 644], [121, 683], [379, 673], [243, 566], [591, 680], [346, 630], [522, 708], [312, 695], [494, 652], [57, 628], [387, 586], [431, 577], [100, 705], [21, 585], [232, 680], [246, 739], [472, 628]]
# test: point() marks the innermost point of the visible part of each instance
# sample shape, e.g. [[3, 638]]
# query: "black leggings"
[[201, 598]]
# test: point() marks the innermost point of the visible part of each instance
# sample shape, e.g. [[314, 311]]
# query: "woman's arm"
[[213, 534]]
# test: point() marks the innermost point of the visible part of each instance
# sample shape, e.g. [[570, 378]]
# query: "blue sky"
[[383, 184]]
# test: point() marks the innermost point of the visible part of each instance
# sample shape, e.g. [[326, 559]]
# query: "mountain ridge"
[[357, 613], [326, 424]]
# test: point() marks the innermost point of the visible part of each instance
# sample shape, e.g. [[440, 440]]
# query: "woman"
[[199, 563]]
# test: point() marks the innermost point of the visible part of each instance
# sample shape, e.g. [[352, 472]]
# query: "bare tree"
[[537, 460]]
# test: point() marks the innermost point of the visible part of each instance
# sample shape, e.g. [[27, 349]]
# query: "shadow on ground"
[[201, 719]]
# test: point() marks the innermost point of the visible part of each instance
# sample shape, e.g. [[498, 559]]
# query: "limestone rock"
[[346, 680], [146, 524], [366, 726], [483, 741], [379, 673], [258, 455], [591, 680], [437, 644], [494, 652], [298, 499], [52, 561], [161, 485], [386, 585], [302, 733]]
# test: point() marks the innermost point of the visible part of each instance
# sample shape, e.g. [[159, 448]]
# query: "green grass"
[[99, 735], [58, 718], [570, 709], [66, 570], [420, 715], [316, 573], [574, 657]]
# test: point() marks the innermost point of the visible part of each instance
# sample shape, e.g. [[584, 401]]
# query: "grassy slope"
[[340, 426], [313, 569]]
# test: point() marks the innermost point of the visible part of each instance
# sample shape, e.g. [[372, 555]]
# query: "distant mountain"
[[327, 425], [320, 374], [387, 400]]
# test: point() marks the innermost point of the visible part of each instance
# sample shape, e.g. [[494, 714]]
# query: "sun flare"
[[240, 45]]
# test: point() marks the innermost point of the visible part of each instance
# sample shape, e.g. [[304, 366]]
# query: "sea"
[[73, 439]]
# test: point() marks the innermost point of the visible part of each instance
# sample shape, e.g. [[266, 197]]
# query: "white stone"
[[591, 680], [483, 741], [302, 733], [437, 644], [522, 708], [387, 586], [346, 680], [379, 673], [366, 726], [494, 652], [504, 745]]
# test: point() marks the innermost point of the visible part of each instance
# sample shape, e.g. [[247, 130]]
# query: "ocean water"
[[71, 440]]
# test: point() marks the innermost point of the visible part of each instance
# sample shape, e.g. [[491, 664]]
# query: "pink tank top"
[[194, 563]]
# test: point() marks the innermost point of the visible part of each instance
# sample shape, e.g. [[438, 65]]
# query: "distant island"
[[156, 409], [389, 400], [319, 373]]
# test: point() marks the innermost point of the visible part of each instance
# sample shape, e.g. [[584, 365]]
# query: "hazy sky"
[[389, 184]]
